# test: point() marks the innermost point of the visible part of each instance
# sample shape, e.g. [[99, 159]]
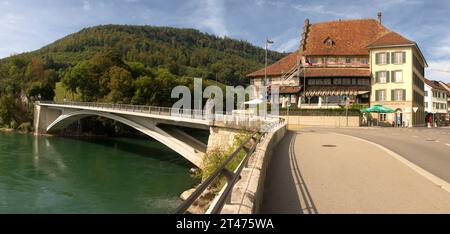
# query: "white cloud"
[[210, 16], [439, 70], [289, 45], [323, 10], [86, 5], [441, 48]]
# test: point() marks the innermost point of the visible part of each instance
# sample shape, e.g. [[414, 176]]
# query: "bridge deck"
[[193, 118]]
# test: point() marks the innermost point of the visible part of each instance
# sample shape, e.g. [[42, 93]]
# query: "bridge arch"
[[150, 129]]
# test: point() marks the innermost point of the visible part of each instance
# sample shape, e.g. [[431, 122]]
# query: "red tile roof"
[[336, 72], [391, 38], [434, 84], [349, 37], [282, 66]]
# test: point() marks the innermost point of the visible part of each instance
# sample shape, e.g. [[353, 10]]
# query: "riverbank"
[[7, 130]]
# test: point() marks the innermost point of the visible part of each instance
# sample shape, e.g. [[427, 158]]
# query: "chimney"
[[379, 17], [304, 35]]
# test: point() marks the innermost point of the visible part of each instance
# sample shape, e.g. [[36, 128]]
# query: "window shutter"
[[404, 57], [387, 77], [387, 58], [392, 95], [404, 94], [377, 75], [377, 95], [392, 57]]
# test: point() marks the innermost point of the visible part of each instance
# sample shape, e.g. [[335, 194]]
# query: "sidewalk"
[[319, 172]]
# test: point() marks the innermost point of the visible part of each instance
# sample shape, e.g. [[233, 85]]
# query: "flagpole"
[[304, 81]]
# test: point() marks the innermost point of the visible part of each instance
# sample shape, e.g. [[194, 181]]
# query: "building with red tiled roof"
[[359, 60], [436, 102]]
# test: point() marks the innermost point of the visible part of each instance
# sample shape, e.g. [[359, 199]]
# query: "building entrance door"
[[398, 118]]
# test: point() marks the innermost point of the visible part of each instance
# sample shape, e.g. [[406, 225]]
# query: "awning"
[[288, 89], [335, 91]]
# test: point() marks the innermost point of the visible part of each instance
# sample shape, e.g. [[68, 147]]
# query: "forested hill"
[[124, 64], [185, 52]]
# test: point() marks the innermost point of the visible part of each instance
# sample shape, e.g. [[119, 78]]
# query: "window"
[[363, 81], [383, 117], [418, 82], [354, 81], [365, 61], [332, 60], [398, 57], [380, 95], [426, 93], [398, 94], [426, 104], [382, 58], [348, 60], [346, 81], [337, 81], [315, 60], [397, 76], [418, 66], [381, 77]]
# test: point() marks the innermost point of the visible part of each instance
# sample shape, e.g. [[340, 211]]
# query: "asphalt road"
[[315, 170], [428, 148]]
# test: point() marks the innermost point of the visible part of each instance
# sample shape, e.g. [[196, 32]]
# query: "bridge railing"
[[231, 176], [239, 119]]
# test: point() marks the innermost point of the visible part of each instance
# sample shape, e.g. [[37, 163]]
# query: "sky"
[[27, 25]]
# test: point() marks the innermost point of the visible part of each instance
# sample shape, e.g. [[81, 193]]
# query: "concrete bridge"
[[160, 123]]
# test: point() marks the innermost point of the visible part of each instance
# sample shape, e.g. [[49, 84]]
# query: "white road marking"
[[436, 180]]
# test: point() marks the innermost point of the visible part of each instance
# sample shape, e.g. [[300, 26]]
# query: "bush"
[[25, 127], [320, 112], [215, 157]]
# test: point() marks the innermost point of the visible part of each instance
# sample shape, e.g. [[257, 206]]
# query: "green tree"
[[120, 84], [6, 109]]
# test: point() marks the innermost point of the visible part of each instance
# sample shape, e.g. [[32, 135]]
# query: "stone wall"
[[221, 138], [327, 121], [247, 194]]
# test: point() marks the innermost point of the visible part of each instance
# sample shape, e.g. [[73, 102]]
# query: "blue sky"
[[27, 25]]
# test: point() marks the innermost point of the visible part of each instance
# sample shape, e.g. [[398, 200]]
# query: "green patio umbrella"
[[378, 109]]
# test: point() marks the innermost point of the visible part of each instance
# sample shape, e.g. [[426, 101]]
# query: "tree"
[[6, 109], [120, 84]]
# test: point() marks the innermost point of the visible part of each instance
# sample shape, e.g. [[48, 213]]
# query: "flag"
[[308, 62]]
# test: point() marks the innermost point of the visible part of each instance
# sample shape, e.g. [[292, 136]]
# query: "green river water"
[[95, 175]]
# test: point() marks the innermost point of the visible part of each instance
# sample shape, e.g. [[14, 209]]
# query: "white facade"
[[435, 100]]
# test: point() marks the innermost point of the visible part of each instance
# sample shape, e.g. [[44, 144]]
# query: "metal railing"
[[218, 118], [232, 177]]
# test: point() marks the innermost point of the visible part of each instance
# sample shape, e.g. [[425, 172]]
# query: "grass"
[[60, 90]]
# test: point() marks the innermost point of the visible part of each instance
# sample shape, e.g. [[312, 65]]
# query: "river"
[[95, 175]]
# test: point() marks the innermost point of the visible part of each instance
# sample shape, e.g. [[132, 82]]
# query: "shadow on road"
[[285, 189]]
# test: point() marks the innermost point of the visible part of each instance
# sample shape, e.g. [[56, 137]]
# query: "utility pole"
[[265, 68]]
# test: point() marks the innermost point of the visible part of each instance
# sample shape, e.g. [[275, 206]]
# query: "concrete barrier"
[[247, 194], [328, 121]]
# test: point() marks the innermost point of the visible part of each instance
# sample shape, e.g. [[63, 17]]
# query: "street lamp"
[[265, 68]]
